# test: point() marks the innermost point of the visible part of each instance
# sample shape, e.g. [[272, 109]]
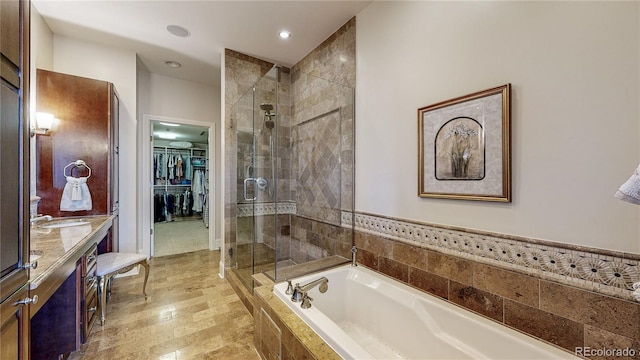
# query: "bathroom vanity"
[[65, 283]]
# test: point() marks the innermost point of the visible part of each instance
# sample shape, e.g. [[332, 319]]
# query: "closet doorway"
[[180, 164]]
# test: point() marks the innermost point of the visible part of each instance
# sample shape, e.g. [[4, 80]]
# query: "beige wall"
[[158, 94], [42, 40], [574, 70], [182, 99]]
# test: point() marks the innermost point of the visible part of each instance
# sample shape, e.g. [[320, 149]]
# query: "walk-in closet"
[[180, 174]]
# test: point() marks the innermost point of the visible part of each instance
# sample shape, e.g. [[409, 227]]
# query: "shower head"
[[268, 108]]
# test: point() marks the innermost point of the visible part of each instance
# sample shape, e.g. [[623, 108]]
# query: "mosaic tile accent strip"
[[601, 273], [245, 210]]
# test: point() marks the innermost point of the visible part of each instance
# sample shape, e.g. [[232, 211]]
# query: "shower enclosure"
[[294, 171]]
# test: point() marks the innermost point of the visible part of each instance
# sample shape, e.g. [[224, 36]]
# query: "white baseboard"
[[221, 270]]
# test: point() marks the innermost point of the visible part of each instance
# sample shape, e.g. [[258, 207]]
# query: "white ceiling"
[[192, 133], [250, 27]]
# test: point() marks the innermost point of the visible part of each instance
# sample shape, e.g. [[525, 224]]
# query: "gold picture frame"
[[464, 147]]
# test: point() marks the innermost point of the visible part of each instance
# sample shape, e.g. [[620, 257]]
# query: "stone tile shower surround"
[[299, 239], [317, 148], [315, 109], [567, 295]]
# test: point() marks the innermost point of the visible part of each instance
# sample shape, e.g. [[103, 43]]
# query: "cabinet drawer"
[[90, 285], [89, 293], [90, 314], [89, 260], [90, 280]]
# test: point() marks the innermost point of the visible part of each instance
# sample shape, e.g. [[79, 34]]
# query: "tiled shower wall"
[[323, 139], [571, 297], [314, 148]]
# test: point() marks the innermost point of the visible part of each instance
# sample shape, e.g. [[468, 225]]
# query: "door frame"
[[145, 186]]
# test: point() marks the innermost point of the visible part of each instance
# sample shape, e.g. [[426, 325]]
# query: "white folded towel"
[[76, 195], [630, 190]]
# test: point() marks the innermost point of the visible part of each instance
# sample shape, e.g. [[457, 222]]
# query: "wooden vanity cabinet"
[[87, 113], [54, 327], [14, 185], [14, 326], [64, 320], [89, 307]]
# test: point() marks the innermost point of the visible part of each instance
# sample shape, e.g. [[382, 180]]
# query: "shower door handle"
[[246, 196]]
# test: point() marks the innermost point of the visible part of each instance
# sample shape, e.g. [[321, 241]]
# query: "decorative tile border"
[[244, 210], [594, 271]]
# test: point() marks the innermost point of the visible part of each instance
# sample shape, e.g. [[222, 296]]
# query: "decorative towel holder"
[[77, 163]]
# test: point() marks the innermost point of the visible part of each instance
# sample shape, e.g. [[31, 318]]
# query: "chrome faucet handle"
[[289, 288], [297, 293], [306, 301]]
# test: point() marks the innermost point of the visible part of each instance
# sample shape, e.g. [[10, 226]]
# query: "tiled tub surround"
[[367, 315], [523, 283], [281, 334]]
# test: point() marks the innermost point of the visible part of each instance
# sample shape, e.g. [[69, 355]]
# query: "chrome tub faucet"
[[300, 292], [37, 218]]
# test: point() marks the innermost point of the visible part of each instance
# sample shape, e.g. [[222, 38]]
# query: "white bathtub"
[[365, 315]]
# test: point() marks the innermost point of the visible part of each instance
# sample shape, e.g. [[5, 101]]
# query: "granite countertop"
[[53, 247]]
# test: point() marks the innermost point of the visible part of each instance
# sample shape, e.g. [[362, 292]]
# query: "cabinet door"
[[14, 182], [14, 326], [114, 118], [14, 139]]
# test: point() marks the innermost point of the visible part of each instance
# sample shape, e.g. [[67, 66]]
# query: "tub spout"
[[35, 219], [322, 282], [300, 292]]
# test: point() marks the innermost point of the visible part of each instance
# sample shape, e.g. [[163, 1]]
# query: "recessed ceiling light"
[[178, 31], [285, 34], [169, 124], [173, 64], [167, 136]]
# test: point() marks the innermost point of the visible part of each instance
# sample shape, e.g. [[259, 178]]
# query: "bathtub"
[[366, 315]]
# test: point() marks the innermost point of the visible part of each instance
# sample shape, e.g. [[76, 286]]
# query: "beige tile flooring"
[[190, 313], [180, 236]]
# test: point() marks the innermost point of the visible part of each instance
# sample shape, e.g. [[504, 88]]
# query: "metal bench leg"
[[145, 264], [102, 295]]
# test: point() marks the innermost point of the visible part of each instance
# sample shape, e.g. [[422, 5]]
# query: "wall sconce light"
[[44, 122]]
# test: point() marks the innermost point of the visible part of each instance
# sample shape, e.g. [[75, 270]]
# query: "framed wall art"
[[464, 147]]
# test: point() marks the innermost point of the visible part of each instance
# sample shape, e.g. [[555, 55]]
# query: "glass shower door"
[[256, 135]]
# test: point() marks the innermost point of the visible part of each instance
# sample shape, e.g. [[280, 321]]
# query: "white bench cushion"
[[114, 261]]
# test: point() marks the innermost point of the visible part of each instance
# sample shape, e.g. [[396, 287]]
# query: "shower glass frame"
[[257, 184], [295, 219]]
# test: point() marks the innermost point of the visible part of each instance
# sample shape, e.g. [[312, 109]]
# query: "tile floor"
[[190, 313], [179, 237]]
